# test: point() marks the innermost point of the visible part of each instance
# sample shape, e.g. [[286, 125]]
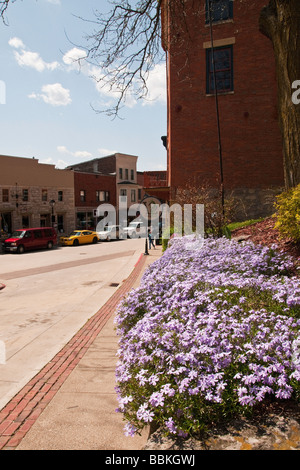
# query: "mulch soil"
[[264, 233]]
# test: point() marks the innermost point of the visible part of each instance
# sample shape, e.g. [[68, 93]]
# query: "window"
[[5, 195], [44, 220], [48, 232], [133, 195], [102, 196], [60, 223], [221, 10], [121, 173], [44, 195], [25, 221], [25, 195], [123, 192], [132, 174], [82, 195], [224, 70], [126, 174], [139, 194], [60, 196], [38, 234]]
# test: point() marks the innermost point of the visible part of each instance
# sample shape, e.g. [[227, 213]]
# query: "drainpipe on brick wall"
[[217, 104]]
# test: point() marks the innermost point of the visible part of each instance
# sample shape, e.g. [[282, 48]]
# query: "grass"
[[246, 223]]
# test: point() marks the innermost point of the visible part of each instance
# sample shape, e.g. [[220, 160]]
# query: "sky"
[[48, 103]]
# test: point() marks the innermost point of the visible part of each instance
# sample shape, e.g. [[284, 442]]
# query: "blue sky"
[[46, 111]]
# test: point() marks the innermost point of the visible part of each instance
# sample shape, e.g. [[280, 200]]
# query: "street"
[[49, 296]]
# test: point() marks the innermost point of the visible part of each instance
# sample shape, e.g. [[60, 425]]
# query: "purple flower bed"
[[209, 333]]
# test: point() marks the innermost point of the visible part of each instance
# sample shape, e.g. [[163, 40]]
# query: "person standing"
[[151, 242]]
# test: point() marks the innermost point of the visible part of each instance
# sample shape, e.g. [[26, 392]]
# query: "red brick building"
[[155, 184], [105, 180], [251, 147], [91, 190]]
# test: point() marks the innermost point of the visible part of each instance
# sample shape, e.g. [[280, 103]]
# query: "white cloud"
[[108, 93], [34, 61], [17, 43], [54, 2], [47, 161], [77, 154], [75, 58], [61, 164], [105, 152], [53, 94], [30, 59], [156, 84]]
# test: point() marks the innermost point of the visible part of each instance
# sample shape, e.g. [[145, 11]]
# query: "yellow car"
[[80, 237]]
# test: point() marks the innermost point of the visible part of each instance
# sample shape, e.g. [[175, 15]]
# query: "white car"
[[135, 229], [110, 232]]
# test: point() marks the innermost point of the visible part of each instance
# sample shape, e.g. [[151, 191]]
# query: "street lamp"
[[52, 204], [146, 247]]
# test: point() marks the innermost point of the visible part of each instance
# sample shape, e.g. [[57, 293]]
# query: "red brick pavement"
[[17, 417]]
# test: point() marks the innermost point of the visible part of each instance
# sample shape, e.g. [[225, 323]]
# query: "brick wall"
[[91, 183], [250, 136], [103, 165], [155, 179]]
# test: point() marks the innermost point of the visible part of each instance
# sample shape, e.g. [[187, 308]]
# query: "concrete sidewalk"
[[70, 404]]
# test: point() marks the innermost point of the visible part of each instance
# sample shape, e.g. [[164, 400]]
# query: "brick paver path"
[[18, 416]]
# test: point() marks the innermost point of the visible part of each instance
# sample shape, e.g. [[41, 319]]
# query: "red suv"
[[30, 239]]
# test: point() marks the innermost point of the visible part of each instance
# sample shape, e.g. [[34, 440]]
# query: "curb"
[[19, 415]]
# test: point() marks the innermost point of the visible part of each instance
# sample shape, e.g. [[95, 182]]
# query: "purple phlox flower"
[[194, 319], [157, 399], [284, 393], [168, 390], [130, 430], [141, 376], [153, 379], [183, 385], [144, 414], [124, 401], [171, 426]]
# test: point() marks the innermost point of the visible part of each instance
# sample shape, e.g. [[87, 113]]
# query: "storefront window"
[[60, 223], [85, 221], [25, 221]]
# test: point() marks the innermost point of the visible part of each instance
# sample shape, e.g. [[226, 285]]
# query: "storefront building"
[[33, 194]]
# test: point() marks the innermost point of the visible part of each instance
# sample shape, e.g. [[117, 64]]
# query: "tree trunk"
[[280, 22]]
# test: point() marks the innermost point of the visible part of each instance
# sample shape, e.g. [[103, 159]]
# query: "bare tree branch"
[[3, 7], [125, 45]]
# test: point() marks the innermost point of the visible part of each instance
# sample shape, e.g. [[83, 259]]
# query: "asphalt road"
[[48, 297]]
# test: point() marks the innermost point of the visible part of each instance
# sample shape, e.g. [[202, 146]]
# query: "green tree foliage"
[[288, 214]]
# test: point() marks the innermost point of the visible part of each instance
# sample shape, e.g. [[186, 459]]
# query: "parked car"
[[111, 232], [80, 237], [30, 239], [135, 229]]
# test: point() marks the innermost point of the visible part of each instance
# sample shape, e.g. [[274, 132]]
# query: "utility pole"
[[217, 105]]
